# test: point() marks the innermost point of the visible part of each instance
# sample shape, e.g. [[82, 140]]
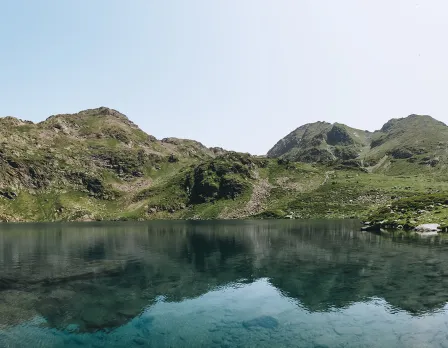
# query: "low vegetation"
[[98, 165]]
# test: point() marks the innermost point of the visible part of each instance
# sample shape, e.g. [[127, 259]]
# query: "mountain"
[[96, 153], [75, 150], [322, 142], [98, 165], [415, 139]]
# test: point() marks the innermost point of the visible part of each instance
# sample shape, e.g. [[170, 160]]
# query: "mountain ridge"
[[106, 111], [99, 165], [414, 138]]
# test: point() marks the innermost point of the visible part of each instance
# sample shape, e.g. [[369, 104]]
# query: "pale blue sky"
[[239, 74]]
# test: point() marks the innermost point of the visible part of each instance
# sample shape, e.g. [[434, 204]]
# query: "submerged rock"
[[375, 227], [265, 321], [16, 307]]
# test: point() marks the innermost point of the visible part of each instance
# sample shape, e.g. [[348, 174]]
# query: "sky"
[[239, 74]]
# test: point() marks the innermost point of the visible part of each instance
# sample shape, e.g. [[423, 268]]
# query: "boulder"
[[428, 228]]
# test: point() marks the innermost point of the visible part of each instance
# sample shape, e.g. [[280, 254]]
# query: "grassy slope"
[[296, 190], [97, 165]]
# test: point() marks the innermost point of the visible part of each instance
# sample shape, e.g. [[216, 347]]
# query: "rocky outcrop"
[[224, 177], [339, 135]]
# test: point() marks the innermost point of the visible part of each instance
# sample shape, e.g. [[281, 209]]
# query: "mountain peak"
[[320, 142], [415, 138], [101, 122], [102, 110], [410, 121]]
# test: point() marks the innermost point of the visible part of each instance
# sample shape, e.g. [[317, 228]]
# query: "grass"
[[296, 191], [214, 210], [52, 165], [412, 211], [299, 191]]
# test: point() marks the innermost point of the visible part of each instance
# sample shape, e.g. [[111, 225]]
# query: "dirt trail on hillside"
[[133, 186], [327, 176], [256, 204], [383, 160]]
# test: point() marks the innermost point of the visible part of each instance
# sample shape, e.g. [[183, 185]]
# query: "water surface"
[[220, 284]]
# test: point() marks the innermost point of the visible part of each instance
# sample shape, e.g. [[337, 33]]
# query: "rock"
[[173, 158], [17, 307], [265, 321], [432, 262], [428, 228], [348, 330], [62, 294], [139, 341], [72, 328], [8, 194], [324, 341], [375, 227]]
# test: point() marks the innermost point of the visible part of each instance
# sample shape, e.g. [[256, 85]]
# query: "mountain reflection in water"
[[89, 281]]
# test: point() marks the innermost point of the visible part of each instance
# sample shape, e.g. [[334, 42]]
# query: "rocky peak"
[[410, 121], [308, 133], [13, 121], [92, 122], [419, 139], [339, 135], [321, 142], [96, 112], [105, 111]]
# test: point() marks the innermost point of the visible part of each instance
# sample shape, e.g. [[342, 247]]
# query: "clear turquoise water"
[[220, 284]]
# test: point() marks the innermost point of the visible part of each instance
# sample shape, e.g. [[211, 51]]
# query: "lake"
[[220, 284]]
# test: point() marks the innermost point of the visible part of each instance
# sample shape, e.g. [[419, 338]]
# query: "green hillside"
[[401, 146], [419, 140], [98, 165], [322, 142]]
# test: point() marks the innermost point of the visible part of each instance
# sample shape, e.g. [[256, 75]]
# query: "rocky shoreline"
[[431, 228]]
